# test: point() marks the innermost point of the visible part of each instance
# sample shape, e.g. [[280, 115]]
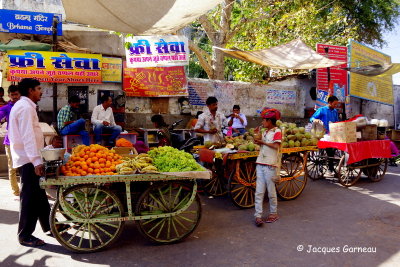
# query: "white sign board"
[[156, 51]]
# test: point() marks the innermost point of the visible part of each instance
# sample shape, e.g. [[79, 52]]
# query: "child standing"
[[267, 163]]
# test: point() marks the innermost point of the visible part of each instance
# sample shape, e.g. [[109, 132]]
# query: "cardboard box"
[[343, 132], [395, 136], [370, 132]]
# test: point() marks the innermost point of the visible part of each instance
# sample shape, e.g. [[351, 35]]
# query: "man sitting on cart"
[[268, 161], [325, 115], [210, 123]]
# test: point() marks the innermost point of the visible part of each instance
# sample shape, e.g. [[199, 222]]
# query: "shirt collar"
[[102, 108], [27, 99]]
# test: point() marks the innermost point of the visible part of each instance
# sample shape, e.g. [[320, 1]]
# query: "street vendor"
[[327, 114], [238, 121], [14, 95], [68, 122], [210, 123], [164, 136], [26, 141], [268, 162], [103, 121]]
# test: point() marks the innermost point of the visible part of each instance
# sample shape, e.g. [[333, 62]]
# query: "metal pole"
[[55, 24]]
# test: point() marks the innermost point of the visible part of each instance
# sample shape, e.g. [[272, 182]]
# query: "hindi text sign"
[[155, 82], [155, 51], [111, 69], [338, 77], [16, 21], [281, 97], [54, 67], [379, 89]]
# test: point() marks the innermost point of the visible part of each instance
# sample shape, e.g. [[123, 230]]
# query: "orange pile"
[[91, 160]]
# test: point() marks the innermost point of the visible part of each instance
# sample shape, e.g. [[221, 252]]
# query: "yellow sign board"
[[373, 88], [111, 69], [54, 67]]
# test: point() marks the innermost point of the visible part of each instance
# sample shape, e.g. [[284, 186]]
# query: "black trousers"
[[34, 205], [331, 154]]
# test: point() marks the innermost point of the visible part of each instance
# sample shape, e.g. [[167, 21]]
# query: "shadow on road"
[[8, 217]]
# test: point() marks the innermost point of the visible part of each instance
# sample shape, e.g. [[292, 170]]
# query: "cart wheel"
[[166, 198], [86, 202], [242, 183], [348, 174], [316, 164], [216, 185], [376, 173], [293, 180]]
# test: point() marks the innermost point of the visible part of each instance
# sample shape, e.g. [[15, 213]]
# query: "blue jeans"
[[242, 131], [265, 175], [99, 128], [77, 127]]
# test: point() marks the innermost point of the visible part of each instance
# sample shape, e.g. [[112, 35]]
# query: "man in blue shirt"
[[327, 114]]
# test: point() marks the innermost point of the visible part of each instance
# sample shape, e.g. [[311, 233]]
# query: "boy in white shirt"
[[267, 163]]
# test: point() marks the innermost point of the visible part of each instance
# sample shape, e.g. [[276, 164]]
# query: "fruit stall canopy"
[[377, 70], [293, 55], [142, 17]]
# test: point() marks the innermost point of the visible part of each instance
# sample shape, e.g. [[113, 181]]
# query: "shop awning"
[[17, 44], [376, 70], [293, 55], [146, 17]]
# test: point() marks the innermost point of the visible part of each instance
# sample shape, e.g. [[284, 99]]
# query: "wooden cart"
[[90, 211], [350, 160], [235, 175]]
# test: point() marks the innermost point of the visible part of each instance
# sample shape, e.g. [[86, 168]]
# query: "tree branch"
[[208, 28], [204, 58]]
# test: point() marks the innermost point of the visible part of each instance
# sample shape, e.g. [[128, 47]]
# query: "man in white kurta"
[[26, 141]]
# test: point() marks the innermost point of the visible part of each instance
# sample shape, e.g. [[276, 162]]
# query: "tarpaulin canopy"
[[145, 17], [17, 44], [293, 55], [376, 70]]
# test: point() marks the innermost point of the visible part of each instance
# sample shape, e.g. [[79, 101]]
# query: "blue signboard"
[[16, 21]]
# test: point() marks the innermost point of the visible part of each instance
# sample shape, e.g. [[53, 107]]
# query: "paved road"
[[325, 216]]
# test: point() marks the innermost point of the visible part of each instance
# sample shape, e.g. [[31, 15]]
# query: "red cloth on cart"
[[206, 155], [361, 150]]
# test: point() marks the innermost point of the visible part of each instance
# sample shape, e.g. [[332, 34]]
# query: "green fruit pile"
[[243, 142], [169, 159], [294, 136]]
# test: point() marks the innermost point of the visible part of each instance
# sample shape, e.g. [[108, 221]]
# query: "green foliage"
[[260, 24]]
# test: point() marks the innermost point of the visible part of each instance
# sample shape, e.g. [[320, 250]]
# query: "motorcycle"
[[177, 141]]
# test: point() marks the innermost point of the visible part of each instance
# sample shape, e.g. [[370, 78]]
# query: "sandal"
[[32, 242], [258, 222], [272, 218]]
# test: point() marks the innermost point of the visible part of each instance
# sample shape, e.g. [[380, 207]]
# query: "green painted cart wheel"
[[293, 177], [242, 183], [73, 216], [168, 198]]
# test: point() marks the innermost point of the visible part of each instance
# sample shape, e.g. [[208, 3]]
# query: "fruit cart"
[[350, 160], [90, 211], [235, 175]]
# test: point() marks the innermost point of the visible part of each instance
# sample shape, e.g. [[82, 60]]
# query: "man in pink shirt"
[[26, 141]]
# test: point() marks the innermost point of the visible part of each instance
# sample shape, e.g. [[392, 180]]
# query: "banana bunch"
[[142, 163]]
